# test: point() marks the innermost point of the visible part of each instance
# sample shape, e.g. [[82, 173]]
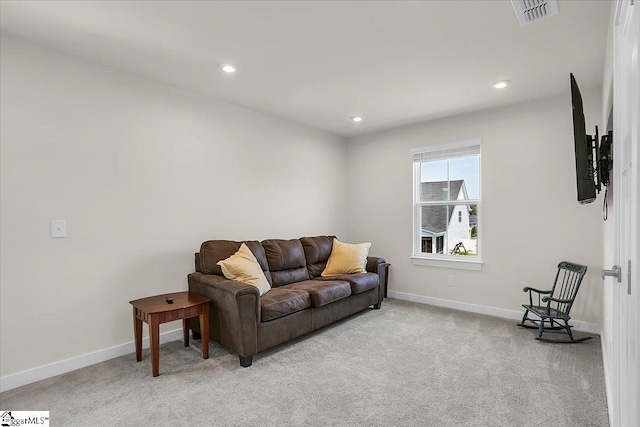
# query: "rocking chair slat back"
[[572, 275]]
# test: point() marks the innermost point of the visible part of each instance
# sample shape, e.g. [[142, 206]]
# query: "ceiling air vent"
[[529, 11]]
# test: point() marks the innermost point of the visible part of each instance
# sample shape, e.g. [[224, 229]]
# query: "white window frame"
[[445, 151]]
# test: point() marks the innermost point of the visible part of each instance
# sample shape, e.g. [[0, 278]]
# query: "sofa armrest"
[[223, 284], [377, 265], [374, 263], [235, 311]]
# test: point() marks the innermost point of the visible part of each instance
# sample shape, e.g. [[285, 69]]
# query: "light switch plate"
[[58, 228]]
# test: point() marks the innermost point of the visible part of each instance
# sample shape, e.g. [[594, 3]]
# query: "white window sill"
[[461, 264]]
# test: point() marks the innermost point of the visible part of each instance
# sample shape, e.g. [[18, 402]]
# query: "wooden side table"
[[156, 310], [386, 278]]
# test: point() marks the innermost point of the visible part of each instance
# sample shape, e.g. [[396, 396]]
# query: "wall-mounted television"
[[593, 162]]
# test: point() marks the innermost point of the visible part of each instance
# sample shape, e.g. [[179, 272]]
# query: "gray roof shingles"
[[435, 218]]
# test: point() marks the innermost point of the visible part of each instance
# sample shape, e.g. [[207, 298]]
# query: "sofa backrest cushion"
[[286, 260], [317, 251], [213, 251]]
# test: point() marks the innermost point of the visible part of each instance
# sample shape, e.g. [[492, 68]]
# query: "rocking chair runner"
[[554, 309]]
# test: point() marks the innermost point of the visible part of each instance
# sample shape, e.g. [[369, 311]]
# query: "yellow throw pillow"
[[243, 267], [347, 258]]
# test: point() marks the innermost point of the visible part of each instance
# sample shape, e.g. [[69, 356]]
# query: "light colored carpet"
[[407, 364]]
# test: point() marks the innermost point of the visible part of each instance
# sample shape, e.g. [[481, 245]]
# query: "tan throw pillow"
[[243, 267], [347, 258]]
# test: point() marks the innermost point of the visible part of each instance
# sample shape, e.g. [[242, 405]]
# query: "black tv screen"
[[584, 158]]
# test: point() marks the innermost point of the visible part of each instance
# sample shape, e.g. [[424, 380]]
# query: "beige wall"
[[143, 173], [531, 219]]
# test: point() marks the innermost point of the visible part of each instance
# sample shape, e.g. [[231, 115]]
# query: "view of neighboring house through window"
[[447, 201]]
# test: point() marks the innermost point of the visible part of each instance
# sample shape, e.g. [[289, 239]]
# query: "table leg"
[[185, 332], [204, 329], [154, 338], [386, 278], [137, 332]]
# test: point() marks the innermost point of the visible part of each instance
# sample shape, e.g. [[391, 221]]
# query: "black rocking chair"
[[553, 310]]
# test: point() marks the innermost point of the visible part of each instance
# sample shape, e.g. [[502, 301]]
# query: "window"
[[447, 205]]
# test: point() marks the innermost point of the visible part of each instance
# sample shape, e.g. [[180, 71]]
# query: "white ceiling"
[[321, 62]]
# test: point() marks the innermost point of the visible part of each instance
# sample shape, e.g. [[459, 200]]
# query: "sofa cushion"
[[359, 282], [286, 261], [243, 267], [213, 251], [323, 292], [317, 251], [347, 258], [281, 301]]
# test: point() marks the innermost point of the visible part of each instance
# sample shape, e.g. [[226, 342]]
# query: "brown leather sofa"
[[300, 300]]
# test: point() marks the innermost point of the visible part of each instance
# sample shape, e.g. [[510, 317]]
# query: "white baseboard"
[[29, 376], [578, 325]]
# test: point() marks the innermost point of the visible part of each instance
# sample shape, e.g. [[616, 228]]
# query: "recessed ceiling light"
[[356, 119], [501, 84], [229, 68]]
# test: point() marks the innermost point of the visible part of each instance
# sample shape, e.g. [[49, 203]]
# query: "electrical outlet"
[[450, 282]]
